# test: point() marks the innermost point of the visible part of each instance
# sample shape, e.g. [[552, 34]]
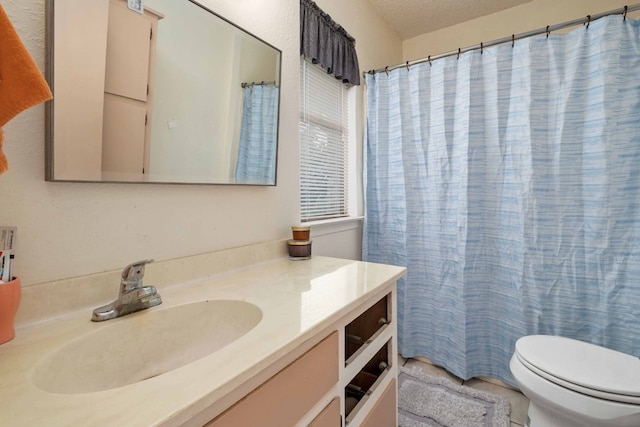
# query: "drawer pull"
[[355, 339]]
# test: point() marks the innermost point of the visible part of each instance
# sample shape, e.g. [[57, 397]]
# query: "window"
[[324, 144]]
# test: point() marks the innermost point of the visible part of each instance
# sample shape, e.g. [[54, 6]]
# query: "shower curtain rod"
[[548, 29], [262, 83]]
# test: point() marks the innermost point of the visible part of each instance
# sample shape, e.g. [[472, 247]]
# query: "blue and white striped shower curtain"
[[508, 182], [256, 163]]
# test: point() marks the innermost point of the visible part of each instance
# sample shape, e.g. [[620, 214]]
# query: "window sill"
[[334, 225]]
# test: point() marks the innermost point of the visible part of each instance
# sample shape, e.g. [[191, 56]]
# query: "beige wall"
[[520, 19], [73, 229], [377, 44], [68, 229]]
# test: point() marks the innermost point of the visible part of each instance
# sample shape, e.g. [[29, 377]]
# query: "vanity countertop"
[[298, 300]]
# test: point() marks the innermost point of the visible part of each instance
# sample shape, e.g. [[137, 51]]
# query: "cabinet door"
[[330, 416], [285, 398], [385, 411], [123, 135]]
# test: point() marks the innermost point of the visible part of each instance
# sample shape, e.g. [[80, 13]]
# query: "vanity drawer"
[[367, 382], [366, 327], [290, 394]]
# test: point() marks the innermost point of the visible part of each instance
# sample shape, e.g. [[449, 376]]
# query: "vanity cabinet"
[[290, 394], [347, 379], [323, 352]]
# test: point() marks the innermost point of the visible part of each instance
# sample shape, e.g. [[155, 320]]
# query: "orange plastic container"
[[9, 302]]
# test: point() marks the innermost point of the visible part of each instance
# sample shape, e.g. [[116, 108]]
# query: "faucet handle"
[[133, 273]]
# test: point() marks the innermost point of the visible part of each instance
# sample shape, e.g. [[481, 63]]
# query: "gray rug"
[[424, 400]]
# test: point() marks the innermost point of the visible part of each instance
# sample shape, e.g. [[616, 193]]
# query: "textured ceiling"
[[411, 18]]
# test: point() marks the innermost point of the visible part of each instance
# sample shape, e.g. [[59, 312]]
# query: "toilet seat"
[[582, 367]]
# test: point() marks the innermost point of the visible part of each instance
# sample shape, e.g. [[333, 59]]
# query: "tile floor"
[[519, 403]]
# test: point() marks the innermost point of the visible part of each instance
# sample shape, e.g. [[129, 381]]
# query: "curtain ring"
[[459, 49], [548, 31], [386, 70], [625, 13], [481, 48], [513, 40], [407, 65], [430, 64], [588, 21]]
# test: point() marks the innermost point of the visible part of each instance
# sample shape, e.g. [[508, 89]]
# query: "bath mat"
[[425, 400]]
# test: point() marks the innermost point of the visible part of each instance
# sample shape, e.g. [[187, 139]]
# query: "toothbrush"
[[4, 266]]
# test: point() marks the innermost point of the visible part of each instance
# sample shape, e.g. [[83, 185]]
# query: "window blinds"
[[324, 144]]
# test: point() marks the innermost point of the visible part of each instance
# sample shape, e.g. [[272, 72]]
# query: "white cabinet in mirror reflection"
[[128, 91]]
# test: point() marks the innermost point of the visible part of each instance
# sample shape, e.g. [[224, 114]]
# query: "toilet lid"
[[582, 367]]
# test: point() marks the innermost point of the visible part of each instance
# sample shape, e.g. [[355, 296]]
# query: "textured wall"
[[519, 19], [73, 229], [69, 229], [430, 15], [377, 45]]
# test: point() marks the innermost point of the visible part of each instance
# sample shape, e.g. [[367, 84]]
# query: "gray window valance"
[[327, 44]]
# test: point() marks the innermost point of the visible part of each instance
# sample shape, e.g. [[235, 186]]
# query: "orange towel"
[[21, 83]]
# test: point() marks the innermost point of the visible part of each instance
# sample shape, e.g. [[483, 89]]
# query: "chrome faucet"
[[133, 296]]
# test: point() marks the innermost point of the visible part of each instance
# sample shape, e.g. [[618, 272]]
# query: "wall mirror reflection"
[[169, 93]]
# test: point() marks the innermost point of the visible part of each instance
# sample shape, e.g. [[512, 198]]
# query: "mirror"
[[158, 91]]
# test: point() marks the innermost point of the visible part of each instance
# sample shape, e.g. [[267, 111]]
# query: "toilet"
[[572, 383]]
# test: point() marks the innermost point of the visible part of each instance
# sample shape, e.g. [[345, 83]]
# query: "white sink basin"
[[143, 345]]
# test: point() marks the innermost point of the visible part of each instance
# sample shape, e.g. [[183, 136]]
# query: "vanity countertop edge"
[[298, 299]]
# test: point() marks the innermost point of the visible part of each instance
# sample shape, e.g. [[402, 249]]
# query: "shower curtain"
[[256, 163], [508, 182]]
